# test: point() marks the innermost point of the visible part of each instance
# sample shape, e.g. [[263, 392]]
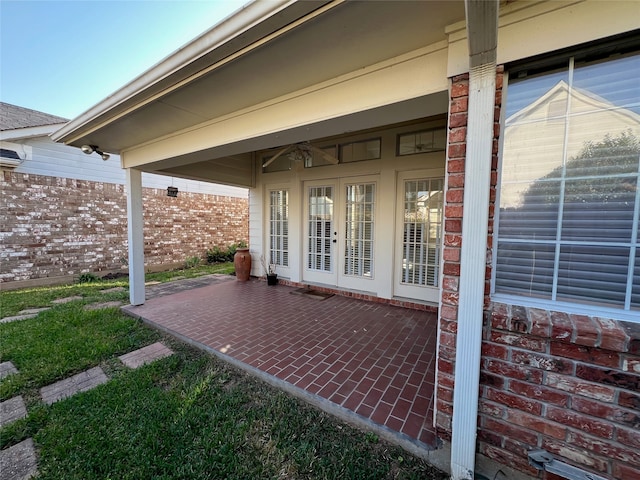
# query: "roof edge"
[[30, 132], [230, 27]]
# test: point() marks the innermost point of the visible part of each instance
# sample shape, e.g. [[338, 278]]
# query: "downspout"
[[482, 21]]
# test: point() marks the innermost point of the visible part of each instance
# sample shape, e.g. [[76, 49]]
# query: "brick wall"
[[569, 384], [56, 227]]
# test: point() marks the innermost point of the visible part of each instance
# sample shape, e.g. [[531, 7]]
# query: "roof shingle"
[[13, 117]]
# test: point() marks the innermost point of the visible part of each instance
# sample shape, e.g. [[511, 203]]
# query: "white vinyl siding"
[[569, 200], [61, 161]]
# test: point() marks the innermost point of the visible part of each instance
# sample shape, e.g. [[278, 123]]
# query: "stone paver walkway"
[[24, 315], [6, 369], [70, 386], [12, 410], [19, 462], [146, 355], [113, 290], [98, 306], [66, 299]]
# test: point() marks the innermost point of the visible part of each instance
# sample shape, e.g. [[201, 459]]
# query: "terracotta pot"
[[242, 263]]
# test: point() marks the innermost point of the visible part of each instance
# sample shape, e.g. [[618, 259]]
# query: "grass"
[[185, 416], [17, 300]]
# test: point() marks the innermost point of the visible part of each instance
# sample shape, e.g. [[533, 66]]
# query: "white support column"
[[482, 32], [135, 224]]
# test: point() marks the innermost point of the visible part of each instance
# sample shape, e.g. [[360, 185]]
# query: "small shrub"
[[87, 277], [219, 255], [192, 262], [216, 255]]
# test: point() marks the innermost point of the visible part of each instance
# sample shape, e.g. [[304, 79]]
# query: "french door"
[[340, 232], [419, 236]]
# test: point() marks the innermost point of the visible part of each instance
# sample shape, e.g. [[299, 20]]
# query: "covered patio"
[[368, 363]]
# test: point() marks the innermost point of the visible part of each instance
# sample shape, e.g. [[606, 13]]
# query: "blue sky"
[[63, 57]]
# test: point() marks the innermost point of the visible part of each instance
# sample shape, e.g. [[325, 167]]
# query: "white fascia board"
[[229, 28], [420, 73], [30, 132]]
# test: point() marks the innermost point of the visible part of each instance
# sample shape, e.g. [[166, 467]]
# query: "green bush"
[[192, 262], [87, 278], [218, 255]]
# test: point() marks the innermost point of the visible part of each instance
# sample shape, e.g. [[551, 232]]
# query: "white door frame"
[[337, 241], [402, 289]]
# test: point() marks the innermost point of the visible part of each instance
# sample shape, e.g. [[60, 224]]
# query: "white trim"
[[135, 236], [419, 292], [24, 152], [30, 132], [238, 23], [482, 87], [568, 307]]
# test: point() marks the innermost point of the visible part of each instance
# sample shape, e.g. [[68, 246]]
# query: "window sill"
[[590, 327]]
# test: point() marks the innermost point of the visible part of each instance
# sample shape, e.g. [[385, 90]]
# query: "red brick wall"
[[58, 227], [569, 384]]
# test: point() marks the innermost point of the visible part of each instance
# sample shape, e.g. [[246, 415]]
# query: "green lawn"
[[187, 416]]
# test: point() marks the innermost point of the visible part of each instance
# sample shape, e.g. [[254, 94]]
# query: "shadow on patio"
[[368, 363]]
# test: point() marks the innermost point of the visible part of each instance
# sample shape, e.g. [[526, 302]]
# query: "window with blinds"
[[279, 228], [568, 222], [359, 218], [319, 229], [422, 231]]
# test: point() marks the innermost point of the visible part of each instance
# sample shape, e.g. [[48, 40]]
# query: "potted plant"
[[270, 270]]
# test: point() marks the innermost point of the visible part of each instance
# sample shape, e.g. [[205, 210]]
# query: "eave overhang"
[[233, 37], [262, 52]]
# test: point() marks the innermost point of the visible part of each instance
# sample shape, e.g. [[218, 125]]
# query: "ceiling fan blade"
[[329, 158], [272, 159]]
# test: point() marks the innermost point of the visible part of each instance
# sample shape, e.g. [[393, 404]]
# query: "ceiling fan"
[[301, 152]]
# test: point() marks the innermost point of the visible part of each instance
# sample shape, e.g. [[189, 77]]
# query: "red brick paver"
[[374, 359]]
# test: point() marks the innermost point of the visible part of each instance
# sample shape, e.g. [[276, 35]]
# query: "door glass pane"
[[359, 228], [320, 228], [279, 228], [422, 232]]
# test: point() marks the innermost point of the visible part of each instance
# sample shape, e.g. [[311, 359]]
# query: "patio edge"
[[437, 456]]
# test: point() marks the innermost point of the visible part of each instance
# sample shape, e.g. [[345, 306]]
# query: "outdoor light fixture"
[[172, 191], [89, 149]]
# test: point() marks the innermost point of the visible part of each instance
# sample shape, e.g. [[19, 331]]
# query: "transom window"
[[567, 226], [425, 141]]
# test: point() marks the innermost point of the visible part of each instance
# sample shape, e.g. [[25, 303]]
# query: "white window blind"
[[422, 231], [359, 223], [568, 223], [319, 229], [279, 228]]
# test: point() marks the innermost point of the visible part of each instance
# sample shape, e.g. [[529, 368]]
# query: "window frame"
[[626, 312], [285, 252]]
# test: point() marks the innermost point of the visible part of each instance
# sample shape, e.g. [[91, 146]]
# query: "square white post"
[[482, 29], [135, 231]]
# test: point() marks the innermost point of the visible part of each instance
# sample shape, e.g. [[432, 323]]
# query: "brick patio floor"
[[373, 359]]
